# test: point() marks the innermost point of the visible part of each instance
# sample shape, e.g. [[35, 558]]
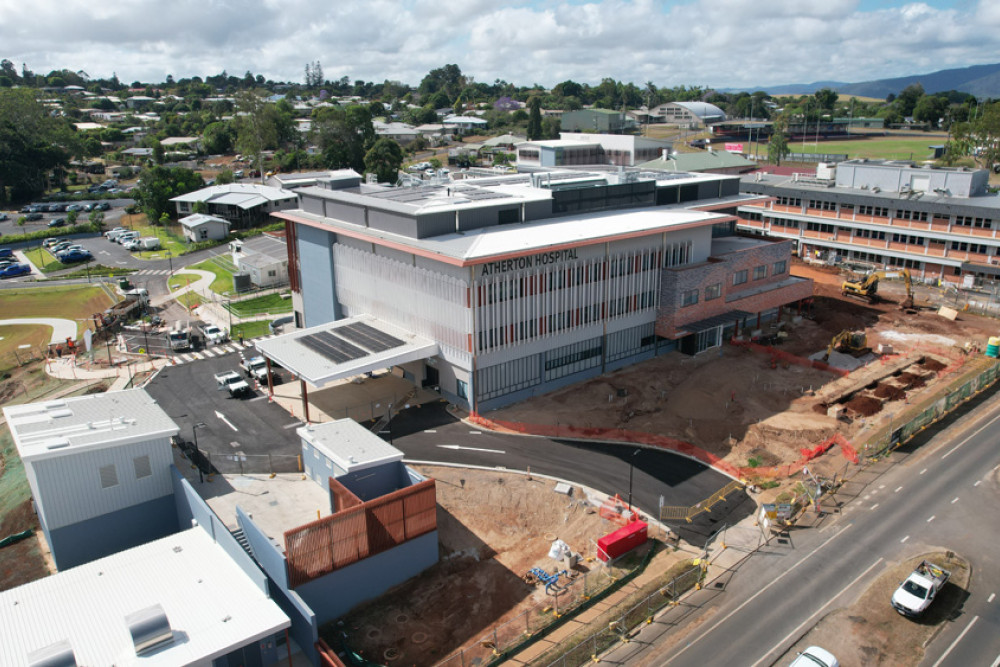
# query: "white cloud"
[[719, 43]]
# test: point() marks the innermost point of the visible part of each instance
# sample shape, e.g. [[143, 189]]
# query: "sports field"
[[885, 148]]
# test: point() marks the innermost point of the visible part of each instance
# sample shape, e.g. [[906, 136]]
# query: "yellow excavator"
[[852, 342], [867, 288]]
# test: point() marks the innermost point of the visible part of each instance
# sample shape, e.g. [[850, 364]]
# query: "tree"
[[225, 177], [777, 145], [32, 144], [71, 217], [97, 220], [907, 100], [255, 128], [930, 109], [159, 184], [534, 118], [980, 137], [159, 155], [826, 98], [384, 160], [343, 136], [218, 138]]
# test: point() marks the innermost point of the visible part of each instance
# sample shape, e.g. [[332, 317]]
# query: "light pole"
[[631, 468], [170, 259], [197, 452]]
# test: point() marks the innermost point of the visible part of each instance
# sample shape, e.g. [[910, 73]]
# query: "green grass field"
[[268, 303], [44, 260], [885, 148], [250, 329], [71, 302], [223, 276], [179, 280]]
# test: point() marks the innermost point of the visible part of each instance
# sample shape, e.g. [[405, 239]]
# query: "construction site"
[[812, 387]]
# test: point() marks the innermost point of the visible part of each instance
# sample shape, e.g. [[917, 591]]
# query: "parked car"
[[6, 253], [815, 656], [59, 247], [57, 222], [75, 255], [127, 236], [4, 217], [114, 232], [102, 206], [74, 207], [49, 242], [31, 217], [4, 263], [15, 270], [132, 244], [53, 208]]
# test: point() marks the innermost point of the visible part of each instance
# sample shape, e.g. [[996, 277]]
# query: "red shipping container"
[[621, 541]]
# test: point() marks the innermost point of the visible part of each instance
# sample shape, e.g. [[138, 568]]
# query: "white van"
[[127, 236], [149, 243], [115, 233]]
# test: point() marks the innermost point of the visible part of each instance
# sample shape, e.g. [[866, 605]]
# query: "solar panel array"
[[350, 342]]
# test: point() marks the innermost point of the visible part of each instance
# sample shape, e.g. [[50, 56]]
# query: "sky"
[[711, 43]]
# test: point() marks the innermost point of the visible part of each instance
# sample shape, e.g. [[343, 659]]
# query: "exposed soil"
[[865, 406], [890, 392], [871, 632], [492, 528], [933, 365], [912, 380]]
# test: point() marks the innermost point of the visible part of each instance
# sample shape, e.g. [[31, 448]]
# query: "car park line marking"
[[760, 592], [257, 398], [978, 482], [881, 486], [996, 663], [819, 611], [933, 516], [954, 500], [431, 430], [898, 489], [227, 422], [955, 643], [991, 597], [475, 432], [903, 541], [875, 505], [292, 425], [923, 471]]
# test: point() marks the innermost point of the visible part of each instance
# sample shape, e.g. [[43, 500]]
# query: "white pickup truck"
[[214, 335], [233, 382], [256, 367], [920, 588]]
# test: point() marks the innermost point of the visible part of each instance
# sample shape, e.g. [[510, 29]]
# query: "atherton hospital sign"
[[528, 261]]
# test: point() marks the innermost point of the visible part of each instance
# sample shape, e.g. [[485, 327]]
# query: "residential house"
[[200, 227]]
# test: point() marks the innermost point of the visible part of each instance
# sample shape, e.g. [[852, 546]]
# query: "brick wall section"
[[748, 296]]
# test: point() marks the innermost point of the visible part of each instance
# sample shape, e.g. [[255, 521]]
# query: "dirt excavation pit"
[[864, 406], [890, 392]]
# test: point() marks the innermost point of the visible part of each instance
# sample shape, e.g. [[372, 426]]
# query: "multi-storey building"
[[940, 223], [498, 289], [577, 149]]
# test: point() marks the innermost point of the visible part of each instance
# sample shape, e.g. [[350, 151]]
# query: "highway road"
[[943, 495]]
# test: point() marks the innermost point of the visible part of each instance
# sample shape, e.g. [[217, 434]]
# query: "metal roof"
[[244, 195], [213, 607], [66, 426], [699, 161], [199, 219], [349, 444], [320, 364]]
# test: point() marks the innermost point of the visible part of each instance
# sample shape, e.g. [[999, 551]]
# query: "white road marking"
[[991, 597], [978, 482], [431, 430], [875, 505], [923, 471], [760, 592], [881, 486], [473, 449], [933, 516], [818, 611], [903, 541], [898, 489], [971, 436], [292, 425], [227, 422], [475, 432], [955, 643], [954, 500], [996, 663]]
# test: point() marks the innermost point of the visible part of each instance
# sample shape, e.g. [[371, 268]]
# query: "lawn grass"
[[12, 339], [223, 277], [179, 280], [190, 300], [98, 270], [268, 303], [884, 148], [171, 238], [249, 330], [44, 260], [71, 302]]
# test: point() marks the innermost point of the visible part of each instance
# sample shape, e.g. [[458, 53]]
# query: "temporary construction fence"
[[616, 623], [676, 514], [359, 532], [570, 596], [236, 463]]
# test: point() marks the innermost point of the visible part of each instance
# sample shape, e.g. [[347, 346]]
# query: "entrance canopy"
[[711, 322], [345, 348]]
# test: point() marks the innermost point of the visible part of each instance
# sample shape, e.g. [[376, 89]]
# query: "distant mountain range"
[[978, 80]]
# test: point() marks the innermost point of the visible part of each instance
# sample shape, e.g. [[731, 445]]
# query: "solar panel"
[[369, 337], [336, 349]]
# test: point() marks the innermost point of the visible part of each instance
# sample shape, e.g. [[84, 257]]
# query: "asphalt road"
[[941, 496], [111, 217]]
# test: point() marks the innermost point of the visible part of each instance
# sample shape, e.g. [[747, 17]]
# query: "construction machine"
[[868, 287], [852, 342]]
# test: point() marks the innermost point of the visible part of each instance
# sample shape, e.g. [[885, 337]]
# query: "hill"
[[978, 80]]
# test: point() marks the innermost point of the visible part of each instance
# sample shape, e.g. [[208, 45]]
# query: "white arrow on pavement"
[[223, 418], [473, 449]]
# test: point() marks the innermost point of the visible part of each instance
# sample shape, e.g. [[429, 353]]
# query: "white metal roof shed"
[[319, 370], [349, 444], [65, 426], [213, 607]]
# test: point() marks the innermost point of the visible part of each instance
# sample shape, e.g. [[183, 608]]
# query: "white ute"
[[920, 588], [213, 334], [256, 367], [233, 382]]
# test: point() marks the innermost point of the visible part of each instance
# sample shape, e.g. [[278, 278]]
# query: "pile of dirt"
[[933, 365], [912, 380], [890, 392], [865, 406], [821, 408]]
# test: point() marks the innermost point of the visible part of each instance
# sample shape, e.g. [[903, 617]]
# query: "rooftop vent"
[[59, 654], [150, 629]]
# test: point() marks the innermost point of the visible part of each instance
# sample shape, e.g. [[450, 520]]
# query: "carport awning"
[[345, 348]]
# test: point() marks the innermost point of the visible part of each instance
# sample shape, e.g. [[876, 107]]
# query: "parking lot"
[[111, 217], [237, 434]]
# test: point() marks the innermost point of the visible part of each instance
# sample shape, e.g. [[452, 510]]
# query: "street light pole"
[[631, 468], [170, 259], [197, 452]]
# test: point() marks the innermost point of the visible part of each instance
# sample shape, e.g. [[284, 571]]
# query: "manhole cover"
[[419, 637], [373, 633], [402, 618], [391, 654]]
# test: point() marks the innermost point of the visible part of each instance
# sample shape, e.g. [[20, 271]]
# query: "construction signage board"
[[769, 510], [784, 511]]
